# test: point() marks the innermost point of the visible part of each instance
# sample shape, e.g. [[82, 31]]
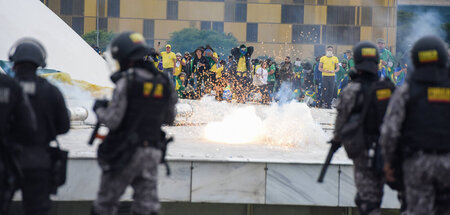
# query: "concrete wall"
[[180, 208]]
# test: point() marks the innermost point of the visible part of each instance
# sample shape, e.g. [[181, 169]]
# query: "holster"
[[115, 152]]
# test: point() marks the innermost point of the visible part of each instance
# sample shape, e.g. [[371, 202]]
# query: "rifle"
[[95, 134], [164, 143], [333, 148]]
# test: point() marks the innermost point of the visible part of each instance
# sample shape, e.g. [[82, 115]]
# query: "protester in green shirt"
[[387, 60], [179, 85], [349, 57], [271, 80], [342, 81]]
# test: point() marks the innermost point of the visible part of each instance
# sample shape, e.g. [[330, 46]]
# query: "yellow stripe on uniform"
[[158, 91], [428, 56], [438, 94], [148, 86], [368, 52], [383, 94]]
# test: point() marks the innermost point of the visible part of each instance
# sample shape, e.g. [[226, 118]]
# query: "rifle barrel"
[[331, 152]]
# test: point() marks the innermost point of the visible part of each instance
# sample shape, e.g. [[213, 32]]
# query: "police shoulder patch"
[[383, 94], [159, 91], [438, 94], [147, 89]]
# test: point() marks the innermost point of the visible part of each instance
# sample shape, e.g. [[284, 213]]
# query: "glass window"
[[341, 15], [172, 10], [149, 28], [103, 24], [78, 25], [78, 7], [217, 26], [240, 13], [66, 7], [292, 14], [205, 25], [366, 18], [113, 8], [252, 32], [309, 34], [342, 35]]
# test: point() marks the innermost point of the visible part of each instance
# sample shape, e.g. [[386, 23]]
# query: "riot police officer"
[[17, 120], [361, 108], [416, 128], [52, 119], [142, 101]]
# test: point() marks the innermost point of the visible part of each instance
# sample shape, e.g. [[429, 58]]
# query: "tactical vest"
[[427, 118], [147, 104], [381, 93]]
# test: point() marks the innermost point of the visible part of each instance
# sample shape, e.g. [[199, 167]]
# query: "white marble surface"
[[83, 180], [177, 186], [82, 183], [347, 187], [228, 183], [297, 184], [189, 145]]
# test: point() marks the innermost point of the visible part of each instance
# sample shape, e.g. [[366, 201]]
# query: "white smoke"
[[76, 97], [424, 24], [290, 124]]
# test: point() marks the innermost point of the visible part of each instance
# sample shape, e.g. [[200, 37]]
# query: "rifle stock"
[[333, 148], [94, 134]]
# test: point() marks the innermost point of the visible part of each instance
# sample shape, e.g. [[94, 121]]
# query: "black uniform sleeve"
[[61, 119]]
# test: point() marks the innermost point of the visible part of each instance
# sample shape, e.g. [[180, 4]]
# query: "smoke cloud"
[[423, 23]]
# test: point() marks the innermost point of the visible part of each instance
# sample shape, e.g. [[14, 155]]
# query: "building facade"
[[299, 28]]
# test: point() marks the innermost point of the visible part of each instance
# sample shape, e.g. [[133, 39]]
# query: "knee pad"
[[364, 206]]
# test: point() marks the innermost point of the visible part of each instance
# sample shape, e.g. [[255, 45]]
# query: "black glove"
[[100, 103], [335, 144], [116, 76]]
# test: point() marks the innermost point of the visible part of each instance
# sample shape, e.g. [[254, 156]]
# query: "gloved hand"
[[100, 103], [335, 144]]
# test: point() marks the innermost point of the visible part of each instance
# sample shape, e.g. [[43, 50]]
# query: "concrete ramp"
[[66, 50]]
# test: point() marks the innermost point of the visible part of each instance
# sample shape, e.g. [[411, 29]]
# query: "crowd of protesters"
[[242, 78]]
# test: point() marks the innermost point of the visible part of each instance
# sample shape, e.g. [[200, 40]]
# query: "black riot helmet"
[[366, 57], [28, 50], [430, 56], [128, 47], [429, 51]]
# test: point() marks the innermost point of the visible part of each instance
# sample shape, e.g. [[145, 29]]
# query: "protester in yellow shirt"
[[169, 59], [219, 83], [242, 55], [329, 65], [179, 64]]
